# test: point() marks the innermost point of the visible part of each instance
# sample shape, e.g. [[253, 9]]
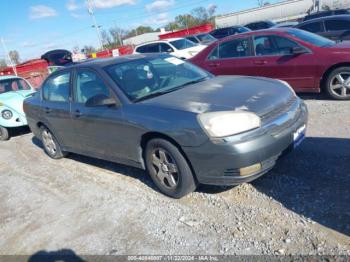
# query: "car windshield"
[[14, 84], [243, 29], [153, 76], [311, 38], [182, 44], [206, 38]]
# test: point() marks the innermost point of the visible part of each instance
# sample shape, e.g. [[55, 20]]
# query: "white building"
[[140, 39], [278, 12]]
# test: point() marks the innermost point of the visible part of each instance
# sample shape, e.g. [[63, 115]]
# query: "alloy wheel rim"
[[49, 143], [166, 169], [340, 85]]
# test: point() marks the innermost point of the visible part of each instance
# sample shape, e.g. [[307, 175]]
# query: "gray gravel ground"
[[95, 207]]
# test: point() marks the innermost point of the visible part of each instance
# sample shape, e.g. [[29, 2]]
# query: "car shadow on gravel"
[[314, 181], [133, 172]]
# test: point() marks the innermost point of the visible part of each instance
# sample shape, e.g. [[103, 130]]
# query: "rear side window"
[[335, 25], [142, 49], [313, 27], [89, 84], [151, 48], [234, 48], [56, 88]]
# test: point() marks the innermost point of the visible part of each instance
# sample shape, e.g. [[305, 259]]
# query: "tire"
[[4, 134], [169, 169], [338, 84], [51, 146]]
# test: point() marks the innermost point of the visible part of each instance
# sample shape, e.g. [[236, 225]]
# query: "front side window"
[[182, 44], [192, 38], [56, 88], [147, 77], [336, 25], [14, 84], [234, 48], [313, 27], [273, 45], [89, 84], [311, 38]]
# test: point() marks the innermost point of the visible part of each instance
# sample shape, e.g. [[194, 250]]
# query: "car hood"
[[14, 99], [255, 94]]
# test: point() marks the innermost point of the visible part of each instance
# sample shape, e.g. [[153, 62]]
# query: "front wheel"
[[169, 169], [51, 146], [4, 134], [338, 83]]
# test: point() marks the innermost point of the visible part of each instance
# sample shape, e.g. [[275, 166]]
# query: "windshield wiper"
[[159, 93]]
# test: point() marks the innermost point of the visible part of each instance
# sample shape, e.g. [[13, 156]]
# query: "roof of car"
[[160, 41], [102, 62], [338, 17]]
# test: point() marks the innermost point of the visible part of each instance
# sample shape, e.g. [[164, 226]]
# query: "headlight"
[[6, 114], [288, 85], [193, 53], [227, 123], [1, 104]]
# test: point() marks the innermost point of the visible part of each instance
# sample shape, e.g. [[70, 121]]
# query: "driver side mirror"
[[169, 50], [298, 50], [100, 100]]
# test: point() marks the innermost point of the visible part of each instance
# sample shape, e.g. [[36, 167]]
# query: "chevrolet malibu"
[[169, 117]]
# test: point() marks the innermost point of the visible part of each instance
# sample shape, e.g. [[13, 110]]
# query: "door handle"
[[213, 64], [77, 113], [47, 110], [260, 62]]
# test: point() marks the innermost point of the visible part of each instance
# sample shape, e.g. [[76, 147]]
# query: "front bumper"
[[217, 162]]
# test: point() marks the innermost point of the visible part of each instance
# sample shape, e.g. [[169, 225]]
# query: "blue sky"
[[34, 26]]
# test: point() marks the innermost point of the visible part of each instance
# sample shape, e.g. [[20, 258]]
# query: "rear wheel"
[[4, 134], [51, 146], [338, 83], [169, 169]]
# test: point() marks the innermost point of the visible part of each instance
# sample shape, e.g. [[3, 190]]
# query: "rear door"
[[274, 59], [98, 129], [232, 57], [56, 98]]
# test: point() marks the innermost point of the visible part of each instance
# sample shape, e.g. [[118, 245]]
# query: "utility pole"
[[118, 34], [8, 56], [91, 13]]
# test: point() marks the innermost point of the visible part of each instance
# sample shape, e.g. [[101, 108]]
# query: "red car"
[[308, 62]]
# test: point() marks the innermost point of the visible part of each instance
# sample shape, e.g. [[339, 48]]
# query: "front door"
[[274, 58]]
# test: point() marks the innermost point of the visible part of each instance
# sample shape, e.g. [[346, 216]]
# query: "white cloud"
[[41, 11], [111, 3], [160, 5], [71, 5], [160, 19]]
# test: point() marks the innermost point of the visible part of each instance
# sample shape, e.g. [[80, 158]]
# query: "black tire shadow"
[[64, 255], [314, 181]]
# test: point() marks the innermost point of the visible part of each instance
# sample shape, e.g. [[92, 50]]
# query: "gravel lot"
[[95, 207]]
